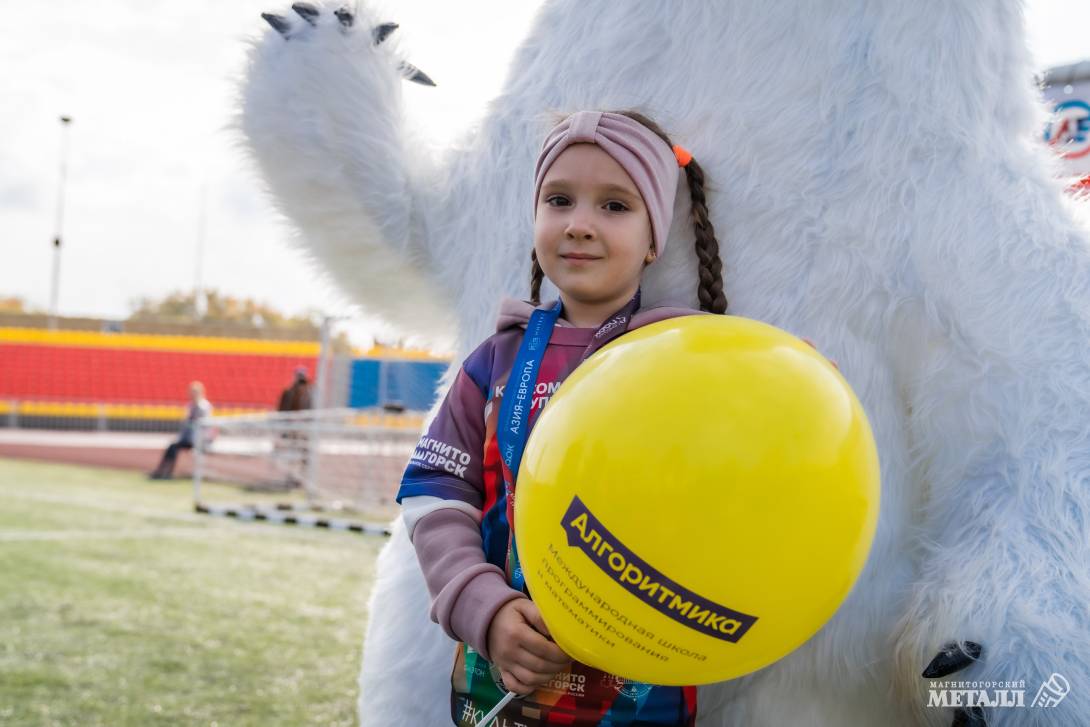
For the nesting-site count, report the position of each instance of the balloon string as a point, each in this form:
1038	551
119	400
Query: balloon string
494	714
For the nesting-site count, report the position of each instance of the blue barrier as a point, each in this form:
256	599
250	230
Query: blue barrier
377	382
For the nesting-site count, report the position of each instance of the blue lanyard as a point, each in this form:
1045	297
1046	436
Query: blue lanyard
518	395
519	391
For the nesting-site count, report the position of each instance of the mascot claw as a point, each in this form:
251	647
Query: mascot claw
345	16
379	32
310	14
953	657
307	12
972	717
414	74
279	23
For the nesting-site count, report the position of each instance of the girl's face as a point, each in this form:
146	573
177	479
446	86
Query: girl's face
592	233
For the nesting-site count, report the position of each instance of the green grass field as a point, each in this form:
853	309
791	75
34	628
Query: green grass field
120	606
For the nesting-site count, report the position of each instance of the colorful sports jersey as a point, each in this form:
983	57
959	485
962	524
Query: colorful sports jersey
458	459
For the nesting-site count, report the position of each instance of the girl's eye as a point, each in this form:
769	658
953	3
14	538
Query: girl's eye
616	207
556	200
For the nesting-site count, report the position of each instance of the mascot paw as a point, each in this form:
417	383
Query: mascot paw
311	17
954	657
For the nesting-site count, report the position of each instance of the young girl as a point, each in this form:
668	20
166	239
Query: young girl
604	196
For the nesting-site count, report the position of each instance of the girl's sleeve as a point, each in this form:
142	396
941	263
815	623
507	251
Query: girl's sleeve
447	465
466	590
447	461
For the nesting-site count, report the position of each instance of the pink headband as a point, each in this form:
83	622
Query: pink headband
651	164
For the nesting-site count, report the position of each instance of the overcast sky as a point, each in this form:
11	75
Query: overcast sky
149	84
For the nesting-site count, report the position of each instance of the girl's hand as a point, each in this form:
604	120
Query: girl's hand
519	645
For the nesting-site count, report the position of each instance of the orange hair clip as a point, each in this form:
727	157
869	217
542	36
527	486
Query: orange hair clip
683	155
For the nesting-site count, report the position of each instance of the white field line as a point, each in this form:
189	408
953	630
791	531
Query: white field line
271	528
16	536
225	526
105	505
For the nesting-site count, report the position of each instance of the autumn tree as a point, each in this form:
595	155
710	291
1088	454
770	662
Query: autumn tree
14	304
220	308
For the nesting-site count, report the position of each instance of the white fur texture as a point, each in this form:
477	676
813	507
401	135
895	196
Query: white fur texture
322	114
875	184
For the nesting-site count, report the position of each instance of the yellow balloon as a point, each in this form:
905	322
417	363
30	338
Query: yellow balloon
696	501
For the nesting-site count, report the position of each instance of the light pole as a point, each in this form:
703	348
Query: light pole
321	386
55	289
199	303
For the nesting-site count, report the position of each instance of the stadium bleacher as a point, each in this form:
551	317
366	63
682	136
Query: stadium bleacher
77	379
93	380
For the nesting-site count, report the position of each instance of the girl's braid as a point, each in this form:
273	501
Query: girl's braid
710	272
536	276
710	289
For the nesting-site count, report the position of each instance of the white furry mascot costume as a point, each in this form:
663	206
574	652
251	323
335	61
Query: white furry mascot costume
876	185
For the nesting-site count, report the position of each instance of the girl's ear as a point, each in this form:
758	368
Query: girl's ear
650	257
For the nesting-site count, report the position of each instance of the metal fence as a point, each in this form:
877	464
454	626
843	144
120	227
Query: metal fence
344	460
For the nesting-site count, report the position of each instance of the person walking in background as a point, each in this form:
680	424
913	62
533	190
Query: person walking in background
199	408
297	396
292	449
